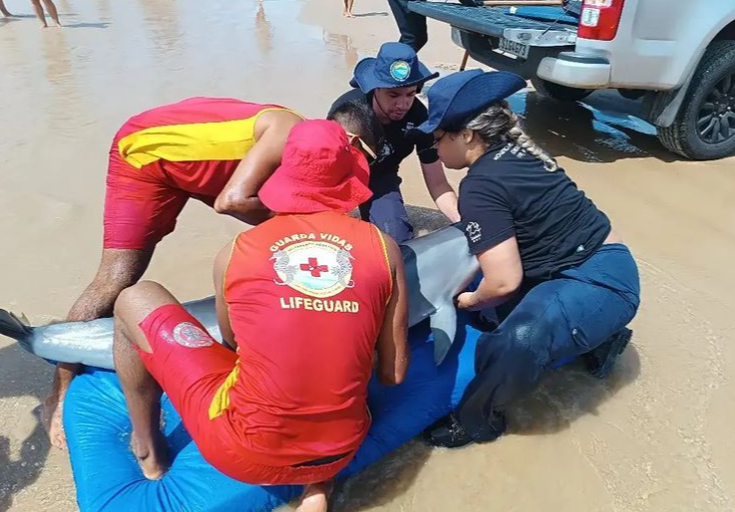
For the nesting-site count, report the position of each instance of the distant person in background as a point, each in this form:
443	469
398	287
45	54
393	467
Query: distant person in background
411	25
347	13
50	7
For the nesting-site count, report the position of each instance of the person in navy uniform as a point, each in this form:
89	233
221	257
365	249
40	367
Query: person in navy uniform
388	85
561	280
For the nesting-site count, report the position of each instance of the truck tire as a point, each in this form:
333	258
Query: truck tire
632	94
704	128
558	92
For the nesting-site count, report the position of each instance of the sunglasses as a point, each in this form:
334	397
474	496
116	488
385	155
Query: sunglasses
438	139
363	145
434	144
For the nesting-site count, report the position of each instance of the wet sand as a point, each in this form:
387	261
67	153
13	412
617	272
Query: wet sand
651	438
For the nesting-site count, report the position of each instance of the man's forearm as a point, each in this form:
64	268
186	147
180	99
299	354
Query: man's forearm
252	218
248	210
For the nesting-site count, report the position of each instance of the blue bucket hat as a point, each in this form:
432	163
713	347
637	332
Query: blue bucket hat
396	65
457	98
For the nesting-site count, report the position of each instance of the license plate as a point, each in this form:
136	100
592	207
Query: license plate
518	49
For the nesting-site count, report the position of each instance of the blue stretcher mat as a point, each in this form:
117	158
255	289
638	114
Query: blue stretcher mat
108	477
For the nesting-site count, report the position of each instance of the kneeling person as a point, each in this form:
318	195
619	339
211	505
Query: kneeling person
563	282
306	297
217	150
387	85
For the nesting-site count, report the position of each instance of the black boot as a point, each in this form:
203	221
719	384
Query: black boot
601	360
449	433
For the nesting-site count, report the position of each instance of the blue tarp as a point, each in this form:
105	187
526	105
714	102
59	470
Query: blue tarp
108	478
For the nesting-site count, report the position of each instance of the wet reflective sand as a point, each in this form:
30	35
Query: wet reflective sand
654	437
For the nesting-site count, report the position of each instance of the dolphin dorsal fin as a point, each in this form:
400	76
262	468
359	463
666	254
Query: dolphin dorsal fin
443	328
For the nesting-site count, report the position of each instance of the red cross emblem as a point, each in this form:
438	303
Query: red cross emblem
314	267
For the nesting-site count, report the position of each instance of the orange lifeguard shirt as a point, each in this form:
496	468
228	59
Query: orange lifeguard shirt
306	297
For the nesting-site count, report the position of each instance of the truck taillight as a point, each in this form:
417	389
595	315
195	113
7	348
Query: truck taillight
600	19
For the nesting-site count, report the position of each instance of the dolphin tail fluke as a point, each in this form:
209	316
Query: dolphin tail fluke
443	328
12	327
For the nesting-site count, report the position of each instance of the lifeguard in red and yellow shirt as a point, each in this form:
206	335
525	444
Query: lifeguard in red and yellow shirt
306	298
217	150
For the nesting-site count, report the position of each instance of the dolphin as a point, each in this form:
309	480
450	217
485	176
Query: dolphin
88	343
438	267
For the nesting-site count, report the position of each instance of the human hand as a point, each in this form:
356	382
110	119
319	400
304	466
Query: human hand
466	301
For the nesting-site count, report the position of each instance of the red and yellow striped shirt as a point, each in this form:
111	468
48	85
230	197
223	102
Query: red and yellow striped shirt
195	144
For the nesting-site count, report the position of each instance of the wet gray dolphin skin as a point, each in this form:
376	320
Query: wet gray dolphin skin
438	267
88	343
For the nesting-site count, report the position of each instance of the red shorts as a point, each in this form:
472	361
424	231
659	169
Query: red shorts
191	367
140	207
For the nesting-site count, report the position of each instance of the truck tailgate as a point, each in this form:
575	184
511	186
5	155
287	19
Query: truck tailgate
490	21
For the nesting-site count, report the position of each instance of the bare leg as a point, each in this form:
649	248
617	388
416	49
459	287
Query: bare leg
316	497
39	12
344	11
4	10
118	269
350	4
142	392
143	395
51	9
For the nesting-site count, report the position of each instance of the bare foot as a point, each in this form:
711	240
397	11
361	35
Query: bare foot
315	498
52	419
153	460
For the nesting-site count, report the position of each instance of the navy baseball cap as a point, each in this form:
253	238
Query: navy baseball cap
457	98
396	65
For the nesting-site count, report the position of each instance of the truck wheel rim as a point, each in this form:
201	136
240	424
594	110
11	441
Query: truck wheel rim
716	120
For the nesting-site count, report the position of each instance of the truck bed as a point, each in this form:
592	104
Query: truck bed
490	21
511	39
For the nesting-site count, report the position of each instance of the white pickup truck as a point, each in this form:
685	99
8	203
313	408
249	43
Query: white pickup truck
678	55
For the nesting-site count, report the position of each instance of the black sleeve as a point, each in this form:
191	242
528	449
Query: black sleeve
424	141
487	219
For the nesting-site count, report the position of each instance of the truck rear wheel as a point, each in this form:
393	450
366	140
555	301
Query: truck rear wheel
558	92
704	128
631	94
